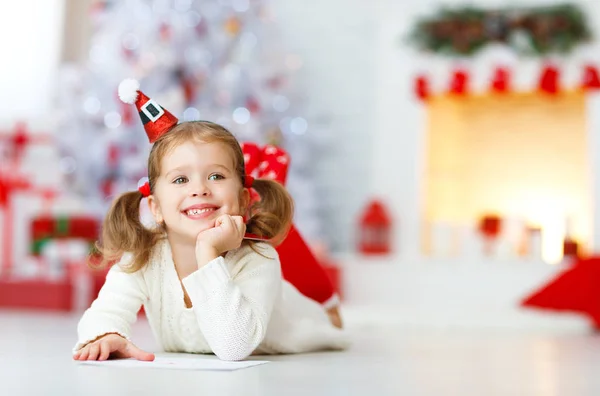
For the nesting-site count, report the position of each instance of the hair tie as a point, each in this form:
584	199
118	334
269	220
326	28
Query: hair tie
248	181
144	187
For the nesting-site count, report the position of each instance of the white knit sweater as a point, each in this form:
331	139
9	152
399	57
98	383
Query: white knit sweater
241	305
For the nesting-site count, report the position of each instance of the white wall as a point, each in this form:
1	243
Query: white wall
336	40
32	35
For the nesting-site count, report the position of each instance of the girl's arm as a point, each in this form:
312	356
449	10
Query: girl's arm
116	307
233	311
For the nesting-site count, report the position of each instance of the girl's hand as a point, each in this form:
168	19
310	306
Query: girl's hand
112	346
227	234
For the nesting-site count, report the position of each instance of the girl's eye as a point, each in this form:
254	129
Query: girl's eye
216	176
180	180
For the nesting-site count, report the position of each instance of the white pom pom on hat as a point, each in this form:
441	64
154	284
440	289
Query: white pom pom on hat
128	90
156	119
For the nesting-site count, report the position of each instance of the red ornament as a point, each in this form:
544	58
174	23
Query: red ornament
165	32
501	80
107	187
490	226
3	192
570	248
375	232
113	155
128	53
459	82
252	105
127	114
201	28
591	78
549	80
19	140
189	90
422	88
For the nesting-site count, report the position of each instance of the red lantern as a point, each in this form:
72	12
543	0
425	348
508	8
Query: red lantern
459	82
549	80
375	232
501	80
591	79
422	88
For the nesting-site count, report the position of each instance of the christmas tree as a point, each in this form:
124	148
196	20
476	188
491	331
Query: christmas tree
212	60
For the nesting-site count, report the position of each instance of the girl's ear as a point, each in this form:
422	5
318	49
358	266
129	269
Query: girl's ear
154	206
245	200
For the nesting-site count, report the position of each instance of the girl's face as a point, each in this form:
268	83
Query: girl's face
197	184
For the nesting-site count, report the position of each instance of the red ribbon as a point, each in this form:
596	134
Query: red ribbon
144	189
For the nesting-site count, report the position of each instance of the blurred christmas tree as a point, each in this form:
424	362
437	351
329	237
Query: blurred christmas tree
217	60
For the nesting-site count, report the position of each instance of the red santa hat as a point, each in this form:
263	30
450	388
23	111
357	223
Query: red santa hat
157	120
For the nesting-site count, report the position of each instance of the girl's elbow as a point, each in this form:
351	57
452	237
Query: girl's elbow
234	355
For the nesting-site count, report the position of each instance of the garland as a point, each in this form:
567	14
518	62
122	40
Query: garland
530	31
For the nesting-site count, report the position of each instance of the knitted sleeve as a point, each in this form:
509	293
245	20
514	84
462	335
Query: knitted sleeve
116	307
234	309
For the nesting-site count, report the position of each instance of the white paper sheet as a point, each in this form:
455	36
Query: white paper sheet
179	363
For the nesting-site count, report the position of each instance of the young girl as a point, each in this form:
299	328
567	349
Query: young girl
204	287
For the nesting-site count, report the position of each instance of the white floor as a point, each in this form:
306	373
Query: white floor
387	359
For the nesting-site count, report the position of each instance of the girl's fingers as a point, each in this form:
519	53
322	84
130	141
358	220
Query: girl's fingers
94	350
138	354
84	353
104	350
239	224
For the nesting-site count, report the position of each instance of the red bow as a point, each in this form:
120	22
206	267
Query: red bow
268	162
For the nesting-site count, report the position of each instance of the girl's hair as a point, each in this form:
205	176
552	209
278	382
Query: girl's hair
123	231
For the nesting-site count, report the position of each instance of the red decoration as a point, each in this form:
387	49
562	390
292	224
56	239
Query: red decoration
127	114
298	263
422	90
573	290
165	32
570	248
549	80
128	54
113	155
252	105
37	294
268	162
4	192
20	139
459	82
501	80
490	226
189	90
375	230
107	187
83	227
144	189
300	267
591	78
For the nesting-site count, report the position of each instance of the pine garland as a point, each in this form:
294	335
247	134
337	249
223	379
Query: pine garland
529	31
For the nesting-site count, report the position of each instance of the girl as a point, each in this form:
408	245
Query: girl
204	287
